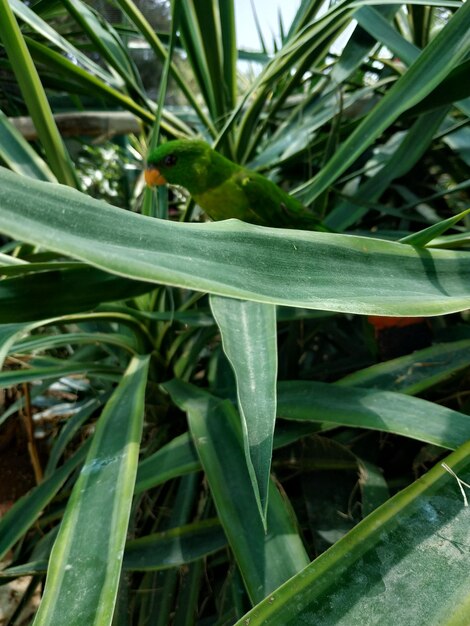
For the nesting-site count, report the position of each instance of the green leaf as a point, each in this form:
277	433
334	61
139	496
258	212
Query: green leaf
423	237
49	342
414	547
408	152
34	96
179	457
135	340
176	458
62	66
267	558
9	333
209	47
106	40
58	369
192	43
414	372
371	19
46	31
25	569
373	485
229	51
174	547
435	62
296	268
171	548
69	430
453	89
329	405
27	509
16	152
86	559
146	30
61	291
249	341
334	405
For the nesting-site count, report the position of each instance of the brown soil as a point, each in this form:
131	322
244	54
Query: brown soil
16	472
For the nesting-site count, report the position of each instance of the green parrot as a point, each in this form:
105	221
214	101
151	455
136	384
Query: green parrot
223	188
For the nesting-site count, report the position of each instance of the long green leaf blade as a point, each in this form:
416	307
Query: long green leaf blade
249	340
297	268
376	24
146	30
415	372
412	148
414	547
170	548
60	291
28	508
177	458
372	408
46	31
264	559
426	236
34	96
86	560
16	152
174	547
106	40
436	61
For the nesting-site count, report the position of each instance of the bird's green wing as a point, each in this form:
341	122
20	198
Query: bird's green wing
271	205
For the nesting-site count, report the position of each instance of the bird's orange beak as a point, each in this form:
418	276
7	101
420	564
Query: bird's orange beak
153	177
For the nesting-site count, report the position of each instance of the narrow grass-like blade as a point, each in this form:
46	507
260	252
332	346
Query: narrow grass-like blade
330	406
455	88
48	342
9	333
146	30
371	19
136	339
64	66
192	44
209	47
171	548
179	457
359	47
106	41
69	430
229	51
84	80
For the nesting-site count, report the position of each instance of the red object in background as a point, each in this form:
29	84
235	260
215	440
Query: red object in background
397	336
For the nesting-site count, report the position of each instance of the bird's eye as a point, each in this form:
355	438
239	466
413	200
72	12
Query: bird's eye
170	160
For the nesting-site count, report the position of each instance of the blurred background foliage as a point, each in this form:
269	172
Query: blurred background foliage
361	110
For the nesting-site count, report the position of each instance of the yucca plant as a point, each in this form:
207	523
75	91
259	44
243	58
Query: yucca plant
235	439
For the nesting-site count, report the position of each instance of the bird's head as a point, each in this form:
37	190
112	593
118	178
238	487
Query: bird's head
182	162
